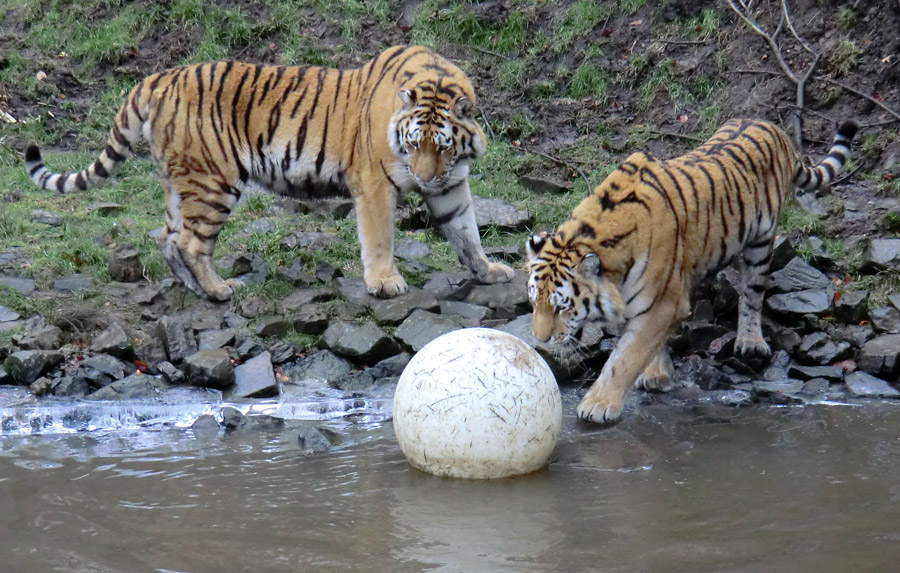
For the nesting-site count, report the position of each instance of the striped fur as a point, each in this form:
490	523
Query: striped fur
402	122
631	252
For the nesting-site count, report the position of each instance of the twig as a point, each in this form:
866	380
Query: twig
487	122
860	94
846	176
765	72
685	42
490	53
568	165
677	135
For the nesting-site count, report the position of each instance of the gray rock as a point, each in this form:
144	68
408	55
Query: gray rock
72	386
863	385
74	283
177	333
21	286
171	373
815	387
354	290
263	226
13	325
797	275
254	306
44	338
282	351
320	365
894	299
108	365
509	254
818	348
879	356
882	254
703	373
393	311
855	334
318	440
409	249
276	326
41	386
248	349
255	378
210	339
356	382
501	215
114	340
811	204
125	264
207	320
26	366
209	368
150	349
309	240
820	254
364	341
326	272
5	377
233	418
830	373
234	320
544	185
885	320
450	286
473	313
696	336
205	427
295	274
153	293
852	306
783	252
778	391
304	296
390	367
512	296
7	315
801	302
564	361
134	387
310	319
105	208
46	217
421	327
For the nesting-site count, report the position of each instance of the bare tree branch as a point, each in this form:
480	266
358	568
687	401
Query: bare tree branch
562	162
860	94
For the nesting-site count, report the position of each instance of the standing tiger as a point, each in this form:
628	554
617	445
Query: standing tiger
403	121
632	250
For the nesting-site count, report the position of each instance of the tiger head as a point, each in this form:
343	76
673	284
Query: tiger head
567	289
436	138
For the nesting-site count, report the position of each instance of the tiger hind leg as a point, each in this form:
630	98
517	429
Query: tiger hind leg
659	375
756	257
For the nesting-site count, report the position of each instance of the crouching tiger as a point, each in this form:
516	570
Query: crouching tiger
632	250
403	121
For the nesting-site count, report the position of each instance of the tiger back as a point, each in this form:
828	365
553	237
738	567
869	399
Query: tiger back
632	250
404	121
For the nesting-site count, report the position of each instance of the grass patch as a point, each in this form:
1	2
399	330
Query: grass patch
793	218
580	18
437	27
589	80
844	57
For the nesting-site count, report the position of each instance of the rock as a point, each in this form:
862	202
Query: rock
105	208
564	361
26	366
309	240
815	387
365	341
233	418
820	254
786	339
248	349
855	334
263	226
863	385
696	336
326	272
46	217
409	249
171	373
421	327
355	382
801	302
264	423
250	268
72	386
282	351
830	373
21	286
235	321
177	333
818	348
811	204
544	185
7	315
210	339
500	215
778	391
44	338
894	299
354	290
310	319
393	311
255	378
277	326
783	252
320	365
125	265
150	349
153	293
5	377
304	296
885	319
254	306
134	387
114	340
205	427
74	283
109	366
390	367
512	296
882	254
472	314
450	286
209	368
318	440
509	254
41	386
879	356
797	275
703	373
852	306
295	274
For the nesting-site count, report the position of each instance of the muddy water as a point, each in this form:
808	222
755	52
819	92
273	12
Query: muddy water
692	488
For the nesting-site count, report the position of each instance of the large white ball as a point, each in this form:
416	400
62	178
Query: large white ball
477	403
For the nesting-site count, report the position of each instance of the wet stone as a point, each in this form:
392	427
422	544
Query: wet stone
150	349
134	387
26	366
409	249
209	368
74	283
45	338
21	286
696	336
855	334
364	341
125	265
115	341
818	348
318	440
421	327
72	386
885	320
46	217
303	297
41	386
205	427
255	378
109	366
320	365
210	339
852	306
864	385
450	286
830	373
472	314
254	306
392	311
500	214
248	349
233	418
390	367
801	302
783	252
797	275
276	326
358	382
282	351
5	377
879	356
882	254
177	333
171	373
703	373
778	391
815	387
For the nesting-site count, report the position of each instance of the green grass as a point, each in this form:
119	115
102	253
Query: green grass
581	18
844	57
793	218
438	26
589	80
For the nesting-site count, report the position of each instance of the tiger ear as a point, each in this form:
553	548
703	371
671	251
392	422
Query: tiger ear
464	108
408	97
534	245
590	265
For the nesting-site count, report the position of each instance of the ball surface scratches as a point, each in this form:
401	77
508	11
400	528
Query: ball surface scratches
477	403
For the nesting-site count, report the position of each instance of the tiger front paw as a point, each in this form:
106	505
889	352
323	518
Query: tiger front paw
223	290
599	409
752	348
658	376
387	287
497	273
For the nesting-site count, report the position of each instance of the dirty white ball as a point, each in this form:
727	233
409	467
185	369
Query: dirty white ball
477	403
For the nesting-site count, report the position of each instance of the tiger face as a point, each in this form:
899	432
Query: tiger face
568	290
436	139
